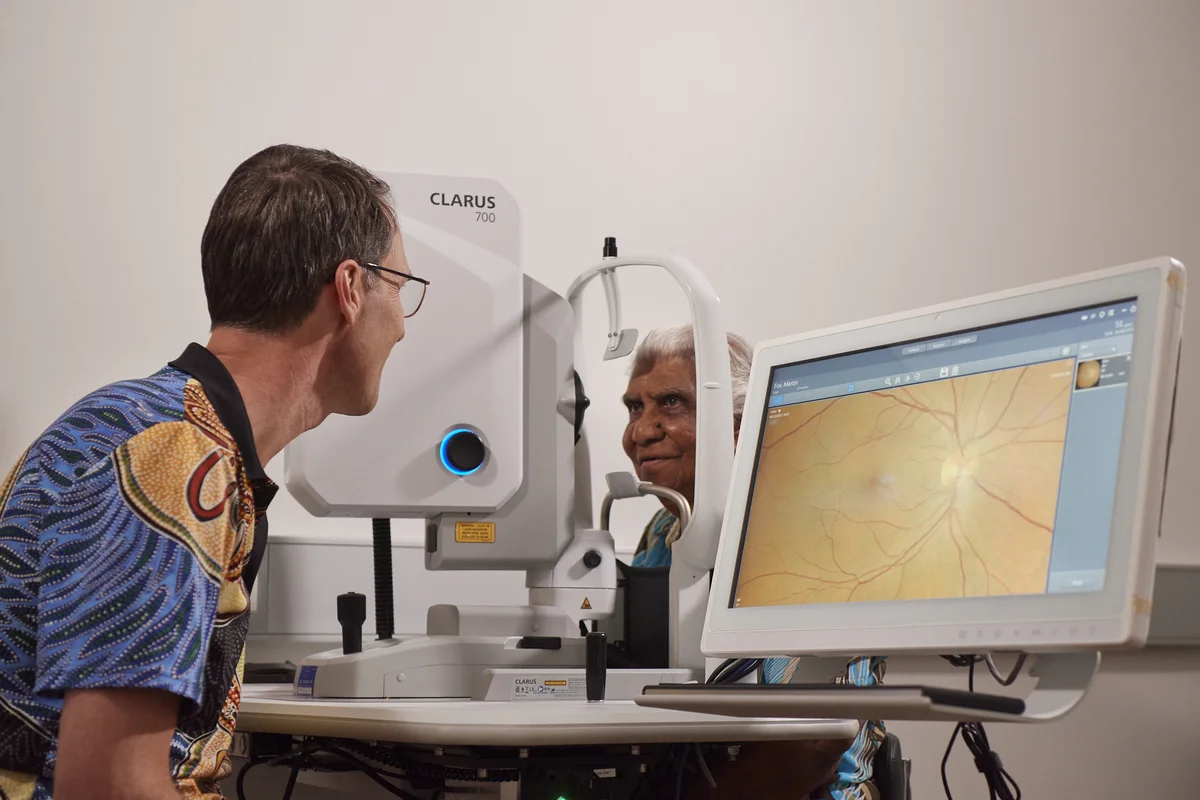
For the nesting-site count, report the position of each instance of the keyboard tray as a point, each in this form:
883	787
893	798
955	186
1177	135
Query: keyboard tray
833	701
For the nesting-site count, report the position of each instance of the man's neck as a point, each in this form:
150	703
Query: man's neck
276	376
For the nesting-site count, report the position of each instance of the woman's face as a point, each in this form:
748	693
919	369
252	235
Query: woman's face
660	437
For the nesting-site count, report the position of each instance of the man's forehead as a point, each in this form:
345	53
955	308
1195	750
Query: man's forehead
396	258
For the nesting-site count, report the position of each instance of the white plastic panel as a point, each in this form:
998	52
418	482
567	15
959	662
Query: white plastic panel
459	366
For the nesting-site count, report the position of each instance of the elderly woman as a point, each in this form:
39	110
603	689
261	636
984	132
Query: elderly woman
660	440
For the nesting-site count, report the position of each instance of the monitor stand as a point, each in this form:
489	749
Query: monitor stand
1062	680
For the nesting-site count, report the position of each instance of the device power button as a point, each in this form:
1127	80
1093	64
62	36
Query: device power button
462	451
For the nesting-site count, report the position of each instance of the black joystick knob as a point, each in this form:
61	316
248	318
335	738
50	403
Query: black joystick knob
351	613
591	559
463	452
596	666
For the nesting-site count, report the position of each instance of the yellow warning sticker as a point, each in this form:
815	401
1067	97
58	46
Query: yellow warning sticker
475	532
586	603
554	683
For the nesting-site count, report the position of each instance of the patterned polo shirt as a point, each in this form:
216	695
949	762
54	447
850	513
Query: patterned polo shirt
131	531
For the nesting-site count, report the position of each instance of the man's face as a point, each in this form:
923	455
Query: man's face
660	438
375	333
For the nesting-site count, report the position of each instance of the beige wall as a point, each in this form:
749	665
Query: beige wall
1133	735
819	161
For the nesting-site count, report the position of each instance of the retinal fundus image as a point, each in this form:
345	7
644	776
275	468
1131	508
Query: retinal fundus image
941	489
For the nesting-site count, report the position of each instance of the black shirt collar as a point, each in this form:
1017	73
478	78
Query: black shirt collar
223	393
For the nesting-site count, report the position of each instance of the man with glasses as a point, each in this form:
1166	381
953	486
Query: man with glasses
131	530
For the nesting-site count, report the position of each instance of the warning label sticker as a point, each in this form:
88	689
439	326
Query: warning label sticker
475	532
549	689
587	604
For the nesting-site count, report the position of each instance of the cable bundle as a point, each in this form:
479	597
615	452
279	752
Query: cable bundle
1000	783
306	754
733	670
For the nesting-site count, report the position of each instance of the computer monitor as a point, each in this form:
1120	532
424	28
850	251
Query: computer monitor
984	475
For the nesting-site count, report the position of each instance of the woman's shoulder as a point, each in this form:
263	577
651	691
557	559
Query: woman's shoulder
656	530
661	521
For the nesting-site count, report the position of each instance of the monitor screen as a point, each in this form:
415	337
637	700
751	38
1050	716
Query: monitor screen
979	463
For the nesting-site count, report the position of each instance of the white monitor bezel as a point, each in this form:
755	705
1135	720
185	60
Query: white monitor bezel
1117	616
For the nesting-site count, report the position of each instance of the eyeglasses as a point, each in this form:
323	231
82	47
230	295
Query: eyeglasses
412	291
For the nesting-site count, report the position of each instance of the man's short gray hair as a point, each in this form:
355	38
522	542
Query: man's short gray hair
678	342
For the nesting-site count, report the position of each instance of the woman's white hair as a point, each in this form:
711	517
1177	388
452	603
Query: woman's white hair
678	342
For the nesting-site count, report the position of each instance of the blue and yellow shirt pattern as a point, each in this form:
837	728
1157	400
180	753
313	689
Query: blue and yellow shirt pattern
127	553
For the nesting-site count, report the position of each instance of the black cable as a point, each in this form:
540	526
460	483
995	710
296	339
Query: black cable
362	766
254	762
1000	783
340	763
241	776
722	667
1012	676
303	754
946	758
962	661
733	670
292	776
742	671
386	784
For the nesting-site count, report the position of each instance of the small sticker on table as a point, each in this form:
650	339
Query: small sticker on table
475	532
549	689
305	681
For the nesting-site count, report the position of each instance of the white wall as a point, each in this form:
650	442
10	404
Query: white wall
820	162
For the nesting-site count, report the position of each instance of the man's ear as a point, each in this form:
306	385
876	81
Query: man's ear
349	289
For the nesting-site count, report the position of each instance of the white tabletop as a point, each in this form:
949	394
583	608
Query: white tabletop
537	723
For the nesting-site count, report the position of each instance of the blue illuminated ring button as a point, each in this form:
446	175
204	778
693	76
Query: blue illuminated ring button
462	452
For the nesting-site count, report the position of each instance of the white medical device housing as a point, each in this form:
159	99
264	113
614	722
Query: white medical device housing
984	475
464	348
449	439
479	432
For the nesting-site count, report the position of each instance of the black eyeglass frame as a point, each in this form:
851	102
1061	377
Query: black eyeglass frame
406	276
